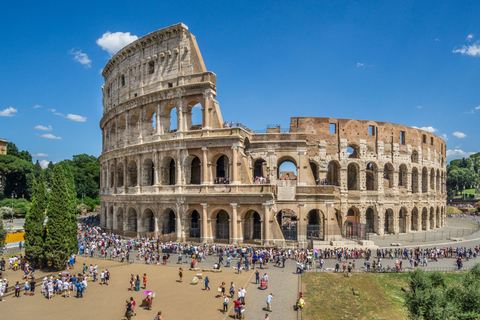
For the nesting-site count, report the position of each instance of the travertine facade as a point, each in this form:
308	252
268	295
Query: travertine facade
198	179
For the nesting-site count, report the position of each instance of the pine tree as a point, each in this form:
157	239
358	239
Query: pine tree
34	230
58	240
73	226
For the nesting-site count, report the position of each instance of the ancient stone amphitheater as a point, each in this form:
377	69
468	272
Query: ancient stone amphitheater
171	166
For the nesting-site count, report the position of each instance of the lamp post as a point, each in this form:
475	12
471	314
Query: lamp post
13	193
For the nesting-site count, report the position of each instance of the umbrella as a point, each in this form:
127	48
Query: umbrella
147	292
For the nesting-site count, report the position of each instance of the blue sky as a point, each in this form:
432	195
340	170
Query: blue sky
411	62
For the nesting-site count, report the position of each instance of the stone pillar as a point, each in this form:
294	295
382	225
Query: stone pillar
234	223
234	165
125	173
207	105
178	225
139	170
204	231
266	224
115	175
159	122
205	178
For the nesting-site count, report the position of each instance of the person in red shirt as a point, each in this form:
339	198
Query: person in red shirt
237	308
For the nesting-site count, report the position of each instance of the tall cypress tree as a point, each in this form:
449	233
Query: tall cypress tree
34	230
58	240
73	226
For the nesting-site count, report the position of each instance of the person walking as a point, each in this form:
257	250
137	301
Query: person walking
16	287
207	281
180	274
225	304
269	301
257	277
128	312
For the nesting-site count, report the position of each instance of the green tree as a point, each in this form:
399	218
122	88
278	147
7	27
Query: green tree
73	227
3	235
19	176
34	229
13	151
58	240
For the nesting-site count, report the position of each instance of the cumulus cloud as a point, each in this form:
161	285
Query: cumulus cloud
444	136
470	37
40	155
459	135
76	117
429	129
457	153
9	112
359	64
438	40
44	128
112	42
44	163
81	57
37	106
473	50
50	136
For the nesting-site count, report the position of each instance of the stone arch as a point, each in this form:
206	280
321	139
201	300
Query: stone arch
111	176
424	218
148	172
150	122
388	175
288	221
432	179
259	168
315	223
352	176
222	169
353	151
149	220
415	188
132	219
371	174
222	225
119	219
193	169
402	175
437	184
168	221
389	221
414	156
169	171
370	219
120	178
402	220
194	224
424	180
289	171
132	174
252	225
171	119
414	220
246	144
121	129
133	126
195	115
333	173
109	220
351	226
314	169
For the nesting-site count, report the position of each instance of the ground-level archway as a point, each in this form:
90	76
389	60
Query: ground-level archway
223	227
315	224
169	220
252	227
195	225
287	220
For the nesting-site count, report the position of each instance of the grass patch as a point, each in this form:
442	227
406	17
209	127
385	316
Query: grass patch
330	296
453	210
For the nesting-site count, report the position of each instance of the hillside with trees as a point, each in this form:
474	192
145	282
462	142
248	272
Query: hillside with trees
464	174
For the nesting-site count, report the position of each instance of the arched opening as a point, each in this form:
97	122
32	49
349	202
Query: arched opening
111	176
148	172
415	180
414	222
171	173
122	125
252	228
109	219
173	121
414	156
339	218
402	175
388	221
352	151
150	122
133	127
195	225
113	134
119	219
314	168
222	170
287	220
196	117
259	168
149	220
352	177
120	181
370	215
439	224
132	174
424	180
432	218
223	225
132	220
371	176
402	220
314	226
432	179
388	176
352	227
246	144
169	220
195	171
333	174
424	218
287	170
437	185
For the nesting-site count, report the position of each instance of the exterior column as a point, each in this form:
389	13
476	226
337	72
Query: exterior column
204	231
125	172
115	175
139	169
266	224
159	122
234	164
234	223
178	226
205	179
208	97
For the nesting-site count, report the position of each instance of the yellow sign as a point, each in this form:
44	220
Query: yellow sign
15	237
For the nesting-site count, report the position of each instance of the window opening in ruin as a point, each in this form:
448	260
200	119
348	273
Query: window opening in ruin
173	120
414	180
252	228
352	151
132	220
287	170
170	84
151	67
287	220
148	172
123	81
171	173
149	221
333	174
169	223
402	137
223	225
195	174
371	176
371	130
314	168
333	128
352	228
414	156
223	170
370	220
388	176
120	175
424	138
352	177
196	122
259	170
150	124
414	220
402	175
246	143
314	229
132	174
431	141
195	225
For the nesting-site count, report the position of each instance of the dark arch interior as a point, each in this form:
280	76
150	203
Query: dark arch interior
223	225
171	173
195	225
258	168
287	219
195	174
222	167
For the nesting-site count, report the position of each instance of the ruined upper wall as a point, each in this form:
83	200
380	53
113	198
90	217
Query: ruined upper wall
166	58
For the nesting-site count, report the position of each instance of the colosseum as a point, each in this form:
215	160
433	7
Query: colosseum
171	165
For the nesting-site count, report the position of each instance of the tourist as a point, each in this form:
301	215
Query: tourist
145	281
17	287
128	306
232	290
149	300
180	274
222	290
237	304
159	316
102	277
133	303
207	281
225	304
257	277
107	276
269	301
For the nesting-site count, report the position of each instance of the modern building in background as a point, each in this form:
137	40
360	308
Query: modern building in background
206	180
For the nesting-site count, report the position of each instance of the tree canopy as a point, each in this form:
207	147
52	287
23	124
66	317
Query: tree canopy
19	174
464	173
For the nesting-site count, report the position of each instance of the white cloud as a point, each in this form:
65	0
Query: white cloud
81	57
429	129
473	50
459	135
37	106
419	107
458	147
50	136
9	112
76	117
359	65
40	155
53	110
40	127
444	136
457	153
112	42
470	37
477	108
438	40
44	163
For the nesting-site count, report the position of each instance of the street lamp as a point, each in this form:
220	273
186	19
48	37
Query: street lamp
13	193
